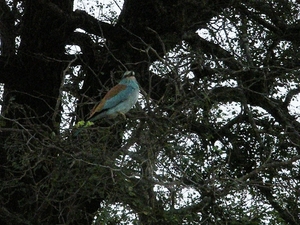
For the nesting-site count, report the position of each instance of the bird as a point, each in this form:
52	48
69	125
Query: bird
118	100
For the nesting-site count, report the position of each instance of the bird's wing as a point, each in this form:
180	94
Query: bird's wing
116	95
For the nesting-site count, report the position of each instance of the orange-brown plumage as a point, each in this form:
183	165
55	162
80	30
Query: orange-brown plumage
110	94
119	100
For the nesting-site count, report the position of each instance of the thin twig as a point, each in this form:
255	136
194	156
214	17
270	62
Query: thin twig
59	99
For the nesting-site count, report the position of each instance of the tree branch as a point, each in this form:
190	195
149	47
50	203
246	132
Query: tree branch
93	26
196	42
284	213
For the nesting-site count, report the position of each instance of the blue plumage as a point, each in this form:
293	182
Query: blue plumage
119	100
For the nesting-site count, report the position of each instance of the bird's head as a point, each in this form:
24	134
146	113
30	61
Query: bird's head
128	74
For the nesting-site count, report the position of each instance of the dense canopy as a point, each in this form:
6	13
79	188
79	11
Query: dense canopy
213	139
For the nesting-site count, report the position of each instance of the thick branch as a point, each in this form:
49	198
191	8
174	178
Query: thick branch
85	43
197	43
91	25
284	213
257	18
290	96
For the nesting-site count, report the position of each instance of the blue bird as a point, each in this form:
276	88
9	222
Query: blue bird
118	100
